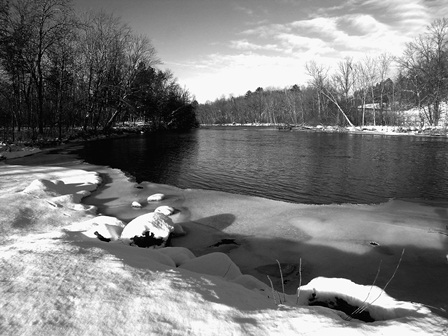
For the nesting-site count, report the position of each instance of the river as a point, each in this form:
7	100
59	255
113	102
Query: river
298	167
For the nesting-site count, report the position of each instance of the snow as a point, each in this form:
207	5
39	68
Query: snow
165	209
58	278
136	204
156	197
156	223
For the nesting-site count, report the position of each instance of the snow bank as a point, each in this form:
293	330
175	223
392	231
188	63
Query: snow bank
367	303
64	280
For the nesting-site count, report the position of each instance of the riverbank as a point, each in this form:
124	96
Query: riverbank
112	289
435	131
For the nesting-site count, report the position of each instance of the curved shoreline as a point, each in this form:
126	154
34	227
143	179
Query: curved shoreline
332	240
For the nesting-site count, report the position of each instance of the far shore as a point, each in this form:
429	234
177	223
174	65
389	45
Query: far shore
22	148
428	131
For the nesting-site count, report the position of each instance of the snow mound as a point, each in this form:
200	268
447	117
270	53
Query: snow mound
180	255
367	303
252	283
155	225
161	258
216	263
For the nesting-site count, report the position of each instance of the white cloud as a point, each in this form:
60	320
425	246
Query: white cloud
246	45
319	25
298	44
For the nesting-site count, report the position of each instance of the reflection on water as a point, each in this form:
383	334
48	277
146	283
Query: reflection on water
297	167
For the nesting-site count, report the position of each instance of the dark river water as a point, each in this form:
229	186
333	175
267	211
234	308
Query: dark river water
299	167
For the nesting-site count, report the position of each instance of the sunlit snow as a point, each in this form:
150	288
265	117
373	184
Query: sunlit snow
59	278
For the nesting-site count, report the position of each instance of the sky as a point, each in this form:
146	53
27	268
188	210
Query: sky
227	47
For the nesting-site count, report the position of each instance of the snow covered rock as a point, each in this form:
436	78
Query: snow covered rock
155	198
179	254
216	263
165	209
151	229
366	303
105	228
136	204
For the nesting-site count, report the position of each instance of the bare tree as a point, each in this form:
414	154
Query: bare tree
320	81
344	81
362	83
384	63
31	28
425	62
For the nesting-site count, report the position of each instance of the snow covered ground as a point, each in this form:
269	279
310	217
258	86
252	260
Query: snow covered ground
58	279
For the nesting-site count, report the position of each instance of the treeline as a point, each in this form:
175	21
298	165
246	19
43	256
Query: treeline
354	93
62	71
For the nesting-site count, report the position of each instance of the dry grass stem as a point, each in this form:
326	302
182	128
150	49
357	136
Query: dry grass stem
364	307
273	291
283	283
300	280
359	309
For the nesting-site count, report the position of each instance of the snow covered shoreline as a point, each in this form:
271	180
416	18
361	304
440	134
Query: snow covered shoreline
62	282
429	131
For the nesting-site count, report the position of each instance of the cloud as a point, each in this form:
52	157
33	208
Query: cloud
246	45
362	24
243	9
407	17
235	74
275	54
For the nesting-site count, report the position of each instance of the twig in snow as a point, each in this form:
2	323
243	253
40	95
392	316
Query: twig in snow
228	269
361	308
385	286
300	280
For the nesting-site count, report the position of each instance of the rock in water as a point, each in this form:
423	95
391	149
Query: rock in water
155	198
152	228
165	209
136	204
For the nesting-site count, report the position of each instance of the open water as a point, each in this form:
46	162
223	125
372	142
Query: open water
299	167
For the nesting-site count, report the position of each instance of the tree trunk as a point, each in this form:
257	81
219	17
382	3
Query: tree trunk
334	101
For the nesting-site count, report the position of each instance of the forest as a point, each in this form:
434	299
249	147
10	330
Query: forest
64	73
370	91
